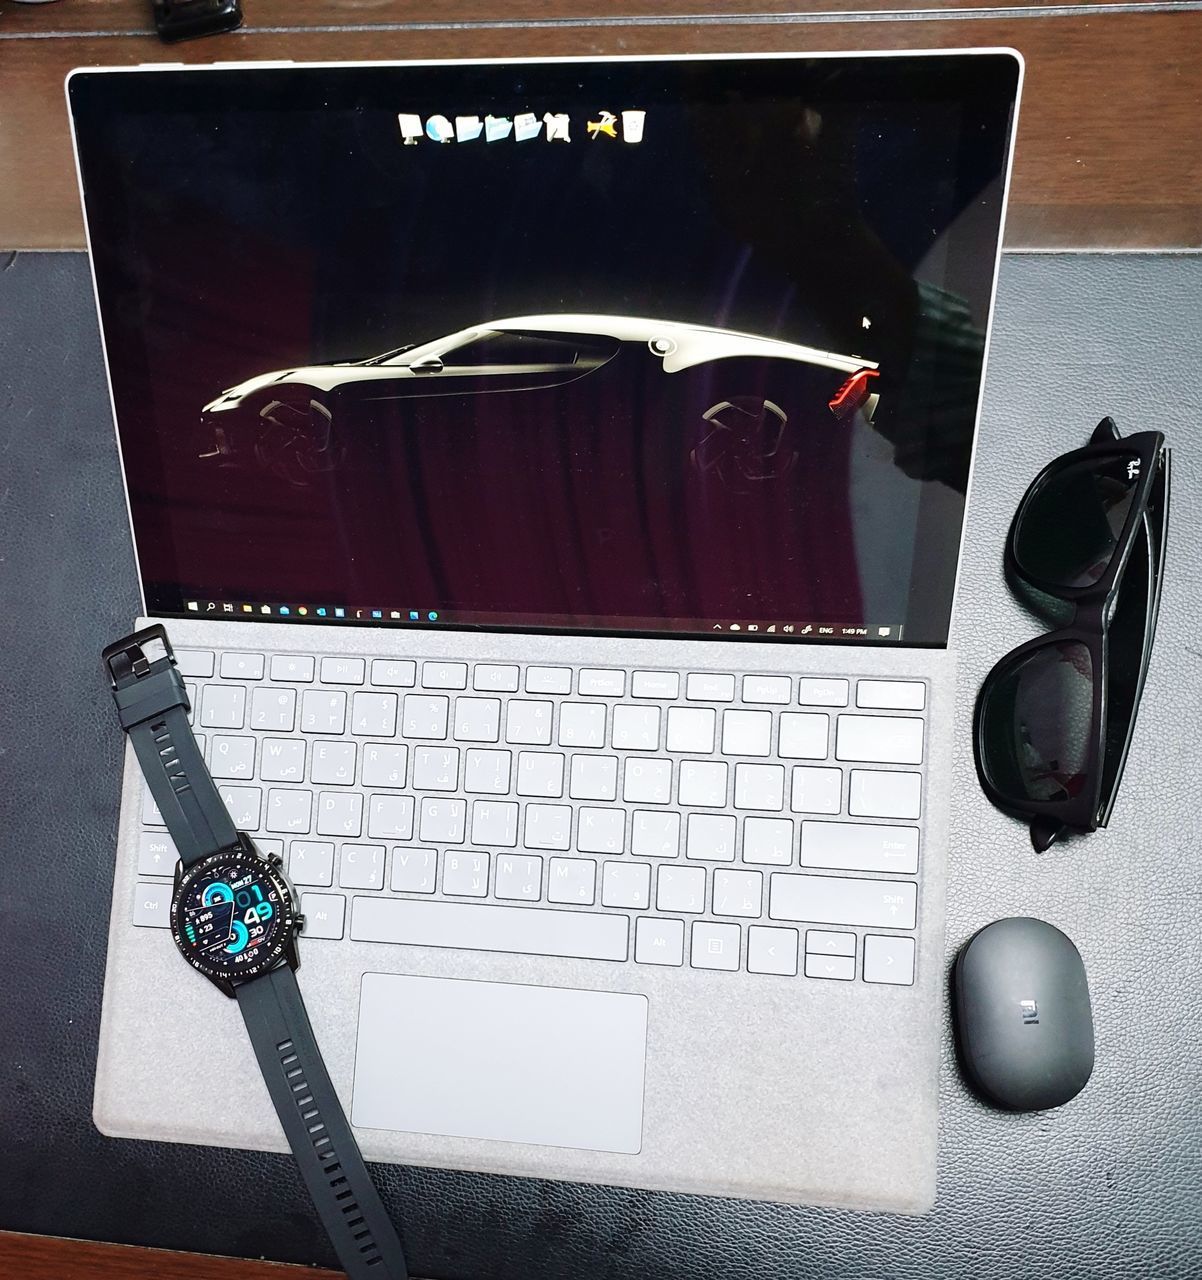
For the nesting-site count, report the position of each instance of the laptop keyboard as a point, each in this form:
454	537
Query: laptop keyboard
762	824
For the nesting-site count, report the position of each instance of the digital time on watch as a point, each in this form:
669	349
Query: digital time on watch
235	919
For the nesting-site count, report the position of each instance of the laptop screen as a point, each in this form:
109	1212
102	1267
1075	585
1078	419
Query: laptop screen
633	346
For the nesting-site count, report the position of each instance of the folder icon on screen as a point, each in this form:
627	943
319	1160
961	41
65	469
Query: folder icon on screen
497	127
526	126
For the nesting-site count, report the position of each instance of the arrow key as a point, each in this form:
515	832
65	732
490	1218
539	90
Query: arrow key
772	950
842	968
889	959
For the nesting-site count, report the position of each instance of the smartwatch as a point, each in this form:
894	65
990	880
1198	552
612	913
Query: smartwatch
235	919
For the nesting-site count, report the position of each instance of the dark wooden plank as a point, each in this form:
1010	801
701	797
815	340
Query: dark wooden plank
52	1258
1107	156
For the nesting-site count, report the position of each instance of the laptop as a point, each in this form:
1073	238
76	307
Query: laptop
551	475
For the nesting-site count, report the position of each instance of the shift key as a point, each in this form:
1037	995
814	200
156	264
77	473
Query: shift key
887	904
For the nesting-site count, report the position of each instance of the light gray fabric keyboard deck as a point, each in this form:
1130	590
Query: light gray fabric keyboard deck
768	824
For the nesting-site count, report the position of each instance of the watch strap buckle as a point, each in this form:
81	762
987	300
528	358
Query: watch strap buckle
145	684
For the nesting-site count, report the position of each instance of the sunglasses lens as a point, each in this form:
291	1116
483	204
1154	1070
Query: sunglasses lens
1036	724
1071	525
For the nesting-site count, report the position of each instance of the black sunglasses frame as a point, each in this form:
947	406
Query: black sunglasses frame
1092	608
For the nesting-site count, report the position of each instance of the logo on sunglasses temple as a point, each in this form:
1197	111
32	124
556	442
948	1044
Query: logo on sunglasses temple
1133	469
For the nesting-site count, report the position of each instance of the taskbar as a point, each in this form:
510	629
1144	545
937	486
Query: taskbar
371	615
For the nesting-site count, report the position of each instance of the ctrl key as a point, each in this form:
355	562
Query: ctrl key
323	914
152	905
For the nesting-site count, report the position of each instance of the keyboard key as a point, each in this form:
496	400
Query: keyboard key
311	862
477	719
528	723
394	673
691	729
480	927
289	811
737	893
322	711
572	880
839	968
816	790
519	877
877	794
157	854
223	706
822	693
703	783
151	817
659	941
196	664
879	739
333	763
594	778
243	804
892	695
436	768
889	960
495	823
626	884
635	728
548	826
647	781
759	786
680	889
746	733
593	683
664	685
374	714
390	817
768	689
294	668
581	724
233	757
152	905
822	943
362	866
343	670
855	846
487	772
273	709
413	870
283	760
339	813
465	875
240	666
886	904
267	847
384	764
601	831
715	946
444	675
548	679
489	678
710	837
540	773
655	835
704	687
425	717
768	841
442	821
324	914
803	735
771	950
192	692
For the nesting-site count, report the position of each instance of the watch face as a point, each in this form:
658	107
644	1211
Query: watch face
232	915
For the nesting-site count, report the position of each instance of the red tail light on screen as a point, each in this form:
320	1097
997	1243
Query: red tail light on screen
853	394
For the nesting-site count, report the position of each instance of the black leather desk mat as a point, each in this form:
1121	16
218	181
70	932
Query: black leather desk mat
1107	1186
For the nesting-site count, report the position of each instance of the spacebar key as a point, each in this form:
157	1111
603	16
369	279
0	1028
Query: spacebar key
470	926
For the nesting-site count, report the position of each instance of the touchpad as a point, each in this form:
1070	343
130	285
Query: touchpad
468	1059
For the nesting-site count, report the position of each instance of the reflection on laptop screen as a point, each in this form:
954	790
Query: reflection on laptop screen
684	345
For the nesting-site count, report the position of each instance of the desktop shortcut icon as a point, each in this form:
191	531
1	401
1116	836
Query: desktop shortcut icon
303	611
497	127
603	126
632	125
526	125
284	610
440	129
411	128
321	612
558	126
414	616
468	128
248	608
394	613
340	613
377	613
265	608
432	615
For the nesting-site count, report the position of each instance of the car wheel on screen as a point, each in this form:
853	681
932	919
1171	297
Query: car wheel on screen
296	441
745	442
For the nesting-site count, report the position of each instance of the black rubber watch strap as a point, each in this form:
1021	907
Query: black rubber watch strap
316	1128
153	706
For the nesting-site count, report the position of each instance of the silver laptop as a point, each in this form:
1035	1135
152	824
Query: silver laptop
552	475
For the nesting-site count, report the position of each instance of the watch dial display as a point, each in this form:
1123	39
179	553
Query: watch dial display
232	916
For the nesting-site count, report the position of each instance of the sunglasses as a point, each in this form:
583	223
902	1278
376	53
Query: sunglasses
1054	717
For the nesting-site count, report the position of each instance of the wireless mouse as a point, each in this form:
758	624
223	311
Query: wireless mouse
1023	1017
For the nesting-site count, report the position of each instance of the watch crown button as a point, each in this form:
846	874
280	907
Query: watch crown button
300	923
275	859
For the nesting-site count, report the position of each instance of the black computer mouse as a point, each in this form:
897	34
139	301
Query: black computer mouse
1023	1017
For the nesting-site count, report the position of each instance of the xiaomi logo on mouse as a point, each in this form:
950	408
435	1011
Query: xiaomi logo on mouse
1030	1012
